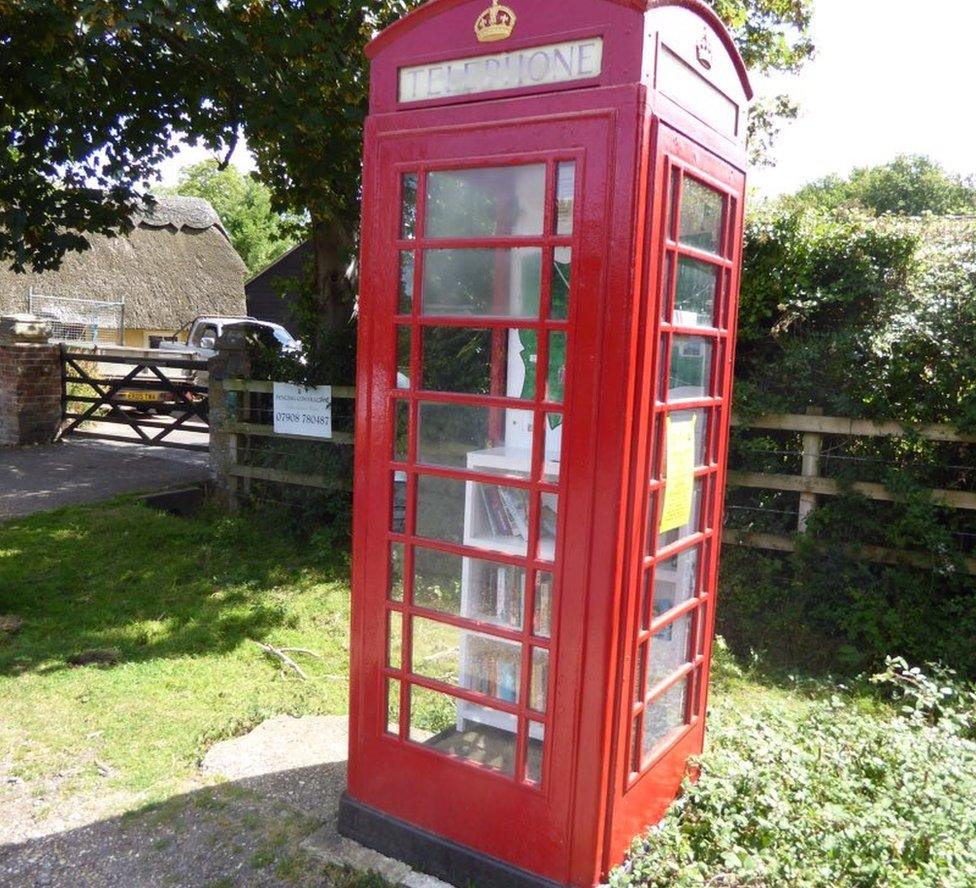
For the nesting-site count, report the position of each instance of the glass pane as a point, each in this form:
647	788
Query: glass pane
666	288
562	270
480	362
565	197
645	603
675	580
470	436
459	359
657	434
392	706
469	587
700	417
548	518
467	659
539	679
662	380
691	368
488	516
431	712
652	524
396	571
701	216
403	358
665	715
542	621
408	212
405	302
670	650
557	368
553	447
401	419
395	640
672	201
484	282
492	201
701	630
463	730
694	522
694	300
639	665
498	518
440	508
533	760
398	521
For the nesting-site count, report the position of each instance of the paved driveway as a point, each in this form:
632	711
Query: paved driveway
35	479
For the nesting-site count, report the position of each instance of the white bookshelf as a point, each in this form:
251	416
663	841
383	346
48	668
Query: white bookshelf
504	606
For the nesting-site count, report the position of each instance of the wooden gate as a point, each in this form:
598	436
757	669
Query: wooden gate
158	401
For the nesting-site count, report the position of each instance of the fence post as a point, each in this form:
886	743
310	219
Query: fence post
809	468
230	362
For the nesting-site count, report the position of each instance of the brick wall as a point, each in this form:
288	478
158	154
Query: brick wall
30	393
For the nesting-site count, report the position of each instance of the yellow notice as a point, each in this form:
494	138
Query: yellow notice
679	481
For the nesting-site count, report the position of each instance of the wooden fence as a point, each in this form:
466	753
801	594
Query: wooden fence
811	485
243	424
241	414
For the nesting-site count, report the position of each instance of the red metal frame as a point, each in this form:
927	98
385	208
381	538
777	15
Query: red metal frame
625	140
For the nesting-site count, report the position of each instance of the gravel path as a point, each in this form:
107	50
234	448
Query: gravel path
282	783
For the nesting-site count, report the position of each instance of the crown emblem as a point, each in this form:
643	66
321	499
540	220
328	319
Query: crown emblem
704	51
496	23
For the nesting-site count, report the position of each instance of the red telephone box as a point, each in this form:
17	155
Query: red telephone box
552	227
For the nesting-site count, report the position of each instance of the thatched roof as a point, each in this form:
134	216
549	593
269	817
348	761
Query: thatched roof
175	264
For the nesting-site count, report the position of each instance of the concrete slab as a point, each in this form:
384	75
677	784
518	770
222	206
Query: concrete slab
309	754
49	476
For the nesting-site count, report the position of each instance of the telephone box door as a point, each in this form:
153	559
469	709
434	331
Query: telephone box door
691	300
486	255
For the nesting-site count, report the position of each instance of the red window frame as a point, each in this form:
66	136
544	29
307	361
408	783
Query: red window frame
543	326
640	793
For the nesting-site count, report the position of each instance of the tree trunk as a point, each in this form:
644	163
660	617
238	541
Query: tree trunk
334	294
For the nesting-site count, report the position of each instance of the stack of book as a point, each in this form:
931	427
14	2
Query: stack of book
497	675
540	684
506	511
499	595
543	606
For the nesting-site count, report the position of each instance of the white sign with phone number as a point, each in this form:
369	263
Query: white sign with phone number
303	411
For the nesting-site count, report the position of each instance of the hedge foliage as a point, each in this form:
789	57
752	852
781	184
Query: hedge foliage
827	791
864	317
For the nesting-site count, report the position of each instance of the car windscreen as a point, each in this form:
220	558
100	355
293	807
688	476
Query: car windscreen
283	336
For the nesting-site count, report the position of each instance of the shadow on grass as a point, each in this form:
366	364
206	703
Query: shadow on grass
247	832
136	584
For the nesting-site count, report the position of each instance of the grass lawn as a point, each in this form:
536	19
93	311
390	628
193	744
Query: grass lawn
175	604
804	782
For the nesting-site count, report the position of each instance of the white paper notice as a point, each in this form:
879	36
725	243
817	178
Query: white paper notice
303	411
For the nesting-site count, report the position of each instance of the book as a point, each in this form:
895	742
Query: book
543	607
540	685
498	518
489	511
515	511
507	681
488	591
548	520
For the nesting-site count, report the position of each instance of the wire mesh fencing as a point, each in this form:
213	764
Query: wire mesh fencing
80	320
